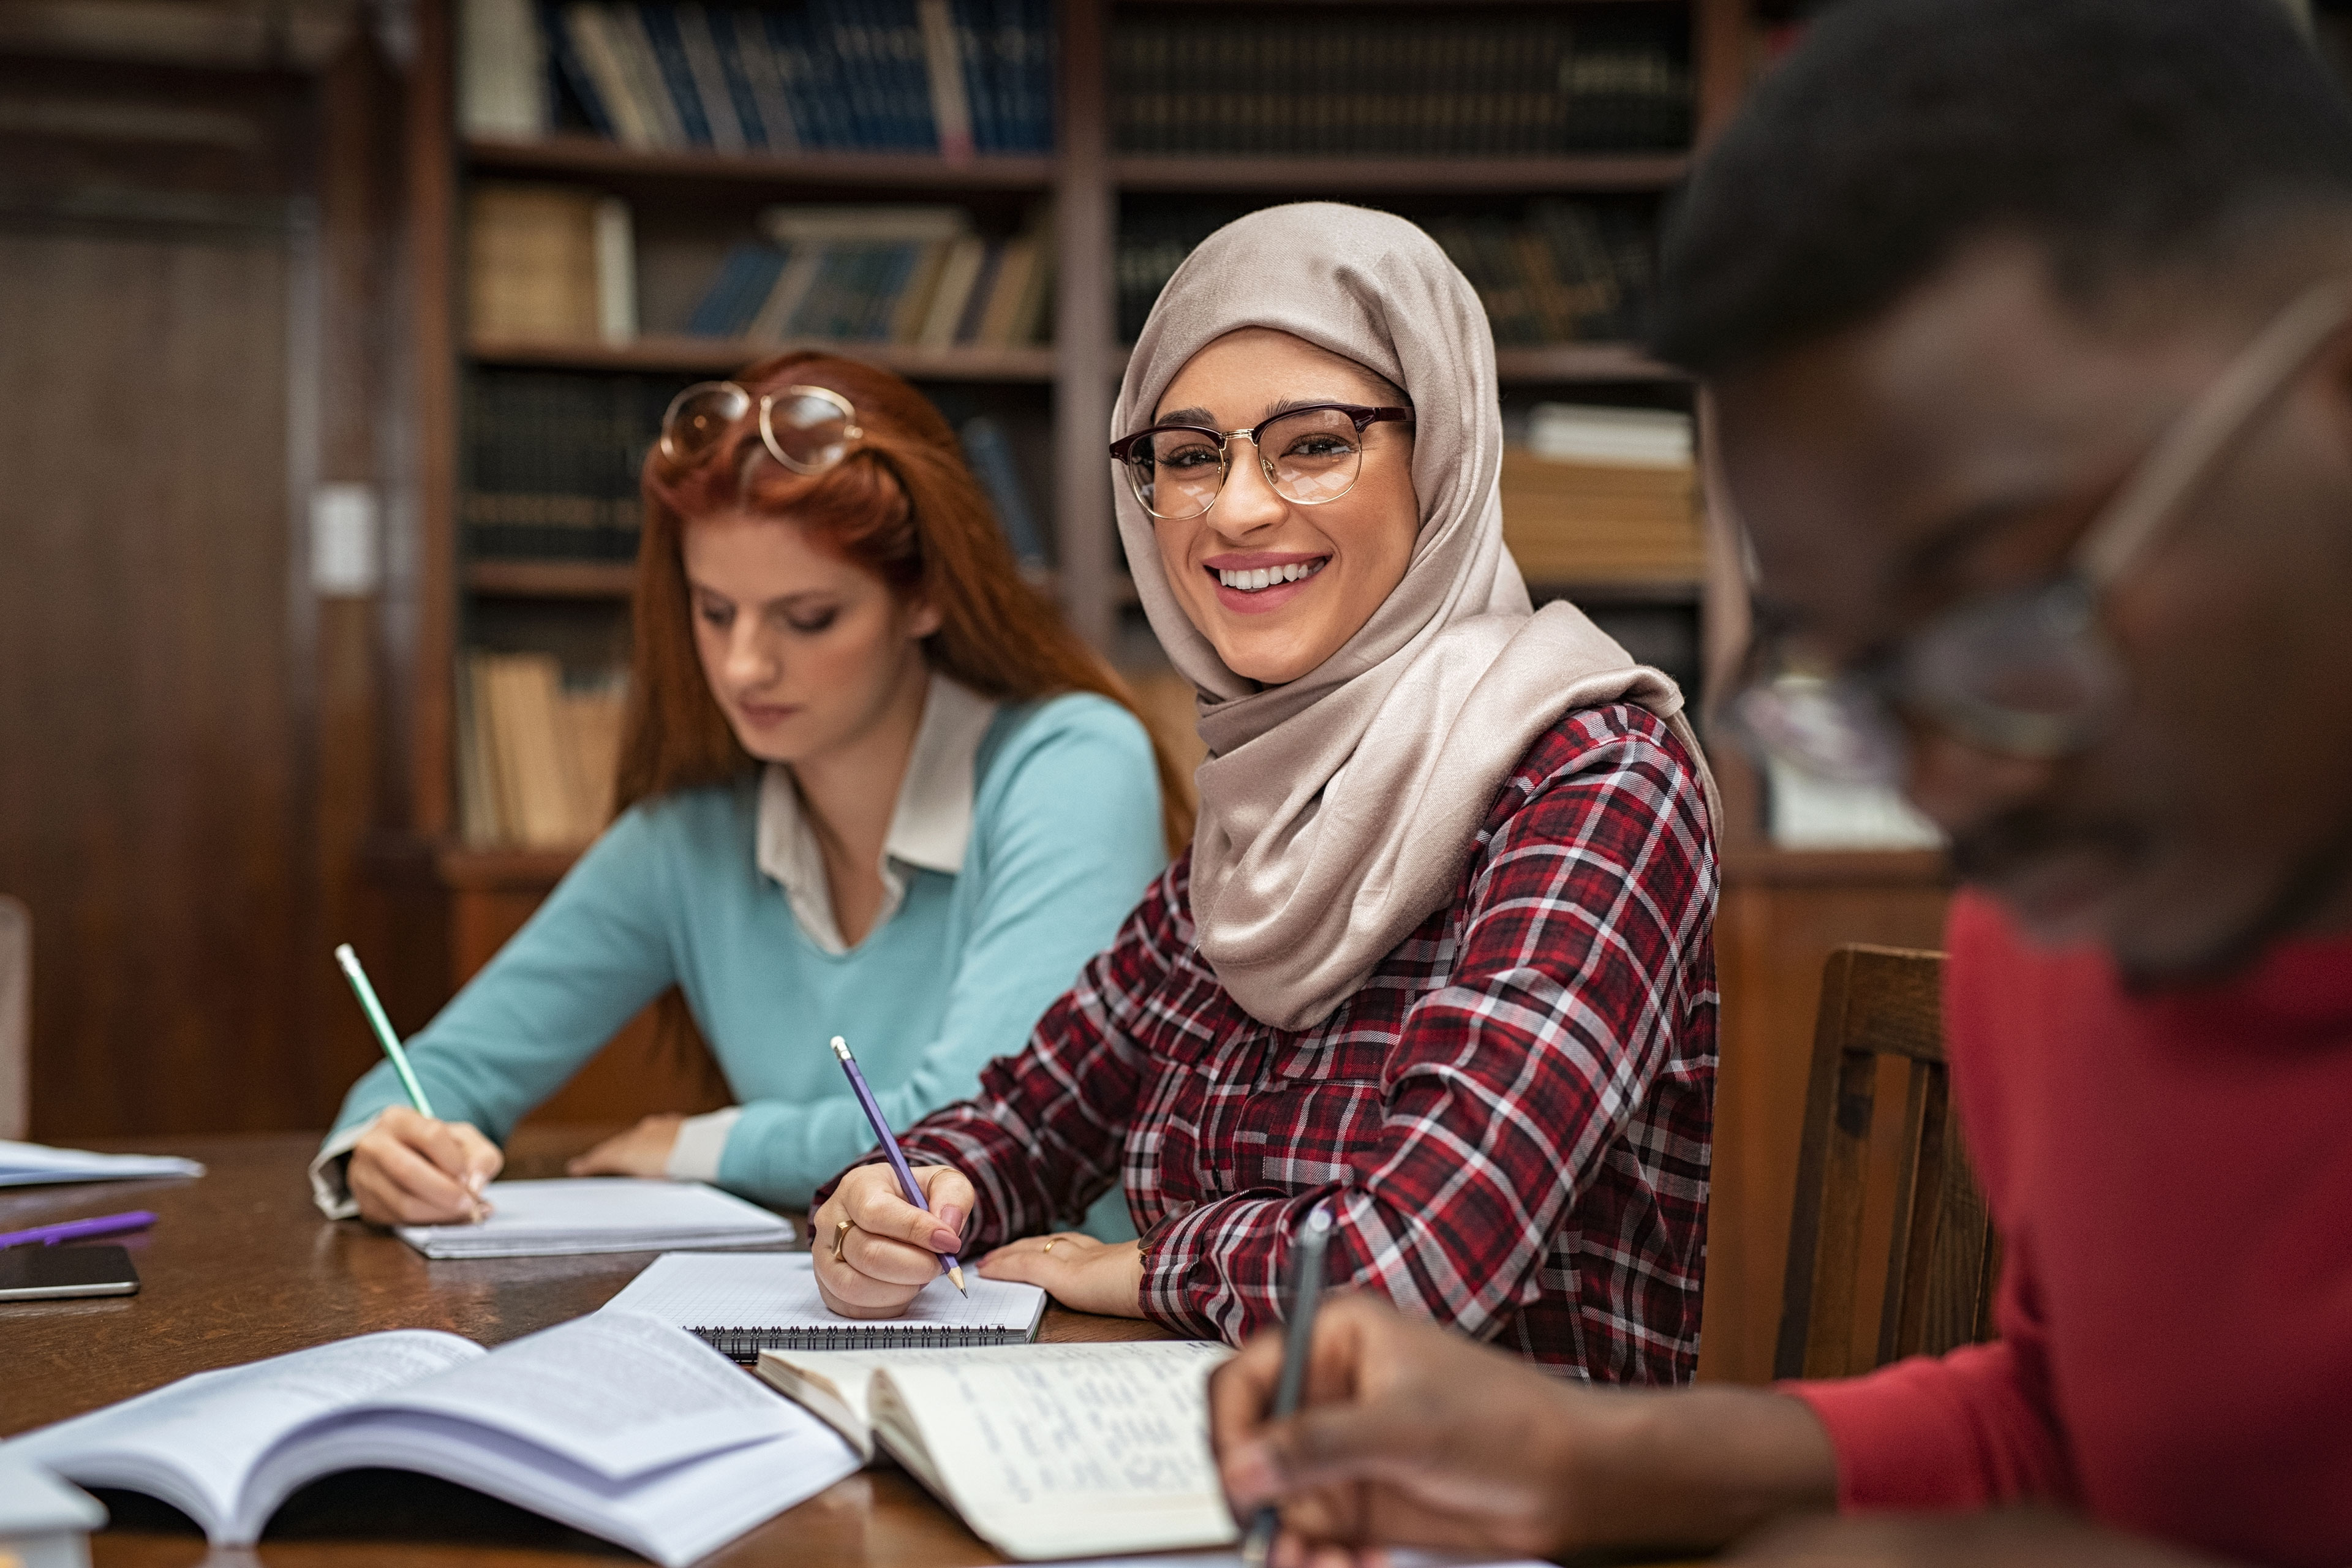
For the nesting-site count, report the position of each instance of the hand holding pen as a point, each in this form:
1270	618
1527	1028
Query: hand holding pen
888	1230
412	1168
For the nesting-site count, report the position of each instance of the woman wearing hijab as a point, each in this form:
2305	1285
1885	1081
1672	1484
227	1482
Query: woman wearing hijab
1440	957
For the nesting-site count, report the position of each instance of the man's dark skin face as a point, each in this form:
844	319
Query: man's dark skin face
1957	446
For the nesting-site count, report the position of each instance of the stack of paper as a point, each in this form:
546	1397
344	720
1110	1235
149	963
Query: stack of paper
545	1219
29	1165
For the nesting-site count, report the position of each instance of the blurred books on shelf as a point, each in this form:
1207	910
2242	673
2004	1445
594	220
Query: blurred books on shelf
1558	271
554	263
949	77
989	456
536	759
1429	82
551	462
910	275
1603	495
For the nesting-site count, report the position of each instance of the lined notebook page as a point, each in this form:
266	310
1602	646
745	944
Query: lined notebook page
777	1290
1058	1457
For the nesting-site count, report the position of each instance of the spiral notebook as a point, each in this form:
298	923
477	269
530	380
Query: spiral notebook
744	1303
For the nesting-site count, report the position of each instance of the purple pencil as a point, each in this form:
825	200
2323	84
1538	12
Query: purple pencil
78	1229
948	1265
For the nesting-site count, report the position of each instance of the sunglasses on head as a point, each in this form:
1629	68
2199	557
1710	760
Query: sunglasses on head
808	429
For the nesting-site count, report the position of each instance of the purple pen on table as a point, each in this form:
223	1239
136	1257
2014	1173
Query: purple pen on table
949	1263
78	1229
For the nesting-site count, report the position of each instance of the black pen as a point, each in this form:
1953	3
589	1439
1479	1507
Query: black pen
1297	1342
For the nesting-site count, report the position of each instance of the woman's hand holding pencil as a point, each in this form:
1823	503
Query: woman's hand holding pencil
891	1248
410	1169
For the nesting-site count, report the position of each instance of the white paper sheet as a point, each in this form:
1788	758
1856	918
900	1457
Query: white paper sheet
778	1290
600	1213
32	1164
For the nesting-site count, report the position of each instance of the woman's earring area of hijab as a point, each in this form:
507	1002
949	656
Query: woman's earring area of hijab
1277	585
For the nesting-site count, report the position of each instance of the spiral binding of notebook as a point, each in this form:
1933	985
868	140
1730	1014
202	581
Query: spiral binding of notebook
745	1344
745	1302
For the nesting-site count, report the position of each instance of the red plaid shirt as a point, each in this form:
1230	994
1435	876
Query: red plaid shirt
1510	1119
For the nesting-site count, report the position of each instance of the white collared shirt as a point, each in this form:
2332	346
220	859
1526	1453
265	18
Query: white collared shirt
930	827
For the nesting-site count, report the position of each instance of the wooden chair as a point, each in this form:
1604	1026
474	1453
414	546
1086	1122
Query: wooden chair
1944	1257
15	1017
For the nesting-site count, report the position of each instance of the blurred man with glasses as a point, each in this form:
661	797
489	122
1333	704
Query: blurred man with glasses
2028	325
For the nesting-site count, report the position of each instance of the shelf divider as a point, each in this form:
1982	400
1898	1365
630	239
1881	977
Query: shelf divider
576	155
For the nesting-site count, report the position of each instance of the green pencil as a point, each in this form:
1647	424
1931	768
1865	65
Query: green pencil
384	1035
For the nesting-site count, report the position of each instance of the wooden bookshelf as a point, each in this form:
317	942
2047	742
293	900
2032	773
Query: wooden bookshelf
1568	363
592	157
717	356
551	579
1401	176
1076	376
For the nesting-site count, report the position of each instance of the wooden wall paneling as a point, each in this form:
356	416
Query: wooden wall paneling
153	807
359	234
1781	915
1083	310
426	641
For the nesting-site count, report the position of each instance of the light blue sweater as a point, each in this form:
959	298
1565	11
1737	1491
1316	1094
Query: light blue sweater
1065	838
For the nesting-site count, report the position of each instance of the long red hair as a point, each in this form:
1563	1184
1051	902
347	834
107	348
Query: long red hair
901	505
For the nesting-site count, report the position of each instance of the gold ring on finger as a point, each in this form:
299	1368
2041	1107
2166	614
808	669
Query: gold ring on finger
840	1234
1049	1242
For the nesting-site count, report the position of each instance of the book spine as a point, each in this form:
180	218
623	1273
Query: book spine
659	25
943	66
755	56
750	118
990	457
646	89
563	51
616	272
699	43
501	70
597	40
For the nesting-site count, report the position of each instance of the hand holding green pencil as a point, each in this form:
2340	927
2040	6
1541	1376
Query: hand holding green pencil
412	1168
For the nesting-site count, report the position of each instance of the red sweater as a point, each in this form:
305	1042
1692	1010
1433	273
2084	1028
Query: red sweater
2172	1177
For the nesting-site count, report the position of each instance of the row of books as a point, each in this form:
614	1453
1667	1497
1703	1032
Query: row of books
1562	271
553	263
553	461
947	77
536	757
1425	82
1603	495
915	274
1565	271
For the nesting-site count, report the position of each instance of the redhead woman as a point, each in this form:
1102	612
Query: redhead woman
1440	958
873	786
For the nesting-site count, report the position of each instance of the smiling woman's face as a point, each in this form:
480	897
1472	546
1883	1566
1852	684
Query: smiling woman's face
1276	586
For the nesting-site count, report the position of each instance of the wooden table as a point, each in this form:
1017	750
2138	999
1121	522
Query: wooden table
240	1266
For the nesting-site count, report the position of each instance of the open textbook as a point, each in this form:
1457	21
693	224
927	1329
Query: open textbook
600	1213
1045	1450
748	1302
618	1425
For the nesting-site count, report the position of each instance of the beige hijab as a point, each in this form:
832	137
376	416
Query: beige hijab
1338	810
